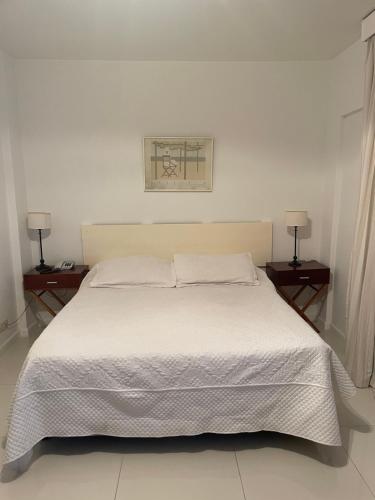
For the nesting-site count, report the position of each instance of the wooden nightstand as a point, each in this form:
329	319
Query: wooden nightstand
310	274
38	284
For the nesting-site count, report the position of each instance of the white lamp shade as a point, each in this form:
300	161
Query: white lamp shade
296	217
39	220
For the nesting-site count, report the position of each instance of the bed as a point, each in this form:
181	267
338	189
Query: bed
153	362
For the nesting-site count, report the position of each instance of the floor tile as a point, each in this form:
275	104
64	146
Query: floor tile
361	449
359	410
70	469
6	393
283	467
11	360
181	469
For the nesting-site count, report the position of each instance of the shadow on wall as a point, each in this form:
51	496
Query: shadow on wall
304	233
33	234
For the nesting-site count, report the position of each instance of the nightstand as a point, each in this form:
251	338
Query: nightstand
310	274
38	284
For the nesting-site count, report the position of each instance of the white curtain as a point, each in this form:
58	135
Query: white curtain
361	291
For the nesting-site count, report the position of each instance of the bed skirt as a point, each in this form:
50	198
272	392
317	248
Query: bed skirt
307	411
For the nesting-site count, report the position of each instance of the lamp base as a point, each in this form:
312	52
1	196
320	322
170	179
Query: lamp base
295	263
43	268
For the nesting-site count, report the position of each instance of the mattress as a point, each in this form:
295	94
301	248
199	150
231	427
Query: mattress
152	362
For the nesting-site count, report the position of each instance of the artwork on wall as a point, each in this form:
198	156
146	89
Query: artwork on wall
178	163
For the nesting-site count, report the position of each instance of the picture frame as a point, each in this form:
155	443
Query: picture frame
178	163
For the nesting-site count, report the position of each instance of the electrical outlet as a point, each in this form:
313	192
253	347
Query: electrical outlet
4	326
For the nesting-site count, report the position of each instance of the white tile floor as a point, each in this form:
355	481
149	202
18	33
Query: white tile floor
260	466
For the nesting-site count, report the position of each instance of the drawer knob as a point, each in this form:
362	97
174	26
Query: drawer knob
51	282
304	277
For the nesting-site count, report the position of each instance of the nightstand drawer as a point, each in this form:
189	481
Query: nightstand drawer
56	280
299	276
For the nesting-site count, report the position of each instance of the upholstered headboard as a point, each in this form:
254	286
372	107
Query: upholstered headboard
106	241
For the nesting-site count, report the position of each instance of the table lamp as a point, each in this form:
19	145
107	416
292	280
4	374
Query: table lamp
40	221
296	219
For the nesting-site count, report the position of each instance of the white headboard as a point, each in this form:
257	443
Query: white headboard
106	241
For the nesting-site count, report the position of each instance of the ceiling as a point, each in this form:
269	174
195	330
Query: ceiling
189	30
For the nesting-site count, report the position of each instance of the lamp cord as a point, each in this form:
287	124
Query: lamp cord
20	316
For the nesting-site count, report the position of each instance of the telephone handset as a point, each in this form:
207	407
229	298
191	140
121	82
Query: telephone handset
64	265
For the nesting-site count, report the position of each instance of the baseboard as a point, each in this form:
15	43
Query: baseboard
7	336
324	321
320	324
338	330
33	329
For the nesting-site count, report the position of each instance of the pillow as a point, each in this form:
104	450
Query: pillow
134	271
224	269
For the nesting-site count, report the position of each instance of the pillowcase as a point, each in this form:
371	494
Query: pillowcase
219	269
134	271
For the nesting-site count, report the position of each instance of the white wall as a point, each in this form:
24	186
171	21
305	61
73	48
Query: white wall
82	124
286	136
342	180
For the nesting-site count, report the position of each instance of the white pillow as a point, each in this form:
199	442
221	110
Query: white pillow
224	269
134	271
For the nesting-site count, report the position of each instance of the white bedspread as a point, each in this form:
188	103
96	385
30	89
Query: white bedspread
163	362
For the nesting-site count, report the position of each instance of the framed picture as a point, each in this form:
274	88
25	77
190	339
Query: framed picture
178	163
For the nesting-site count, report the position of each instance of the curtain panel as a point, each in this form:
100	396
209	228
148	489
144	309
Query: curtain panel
361	288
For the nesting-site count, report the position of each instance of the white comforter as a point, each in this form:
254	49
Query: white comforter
162	362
